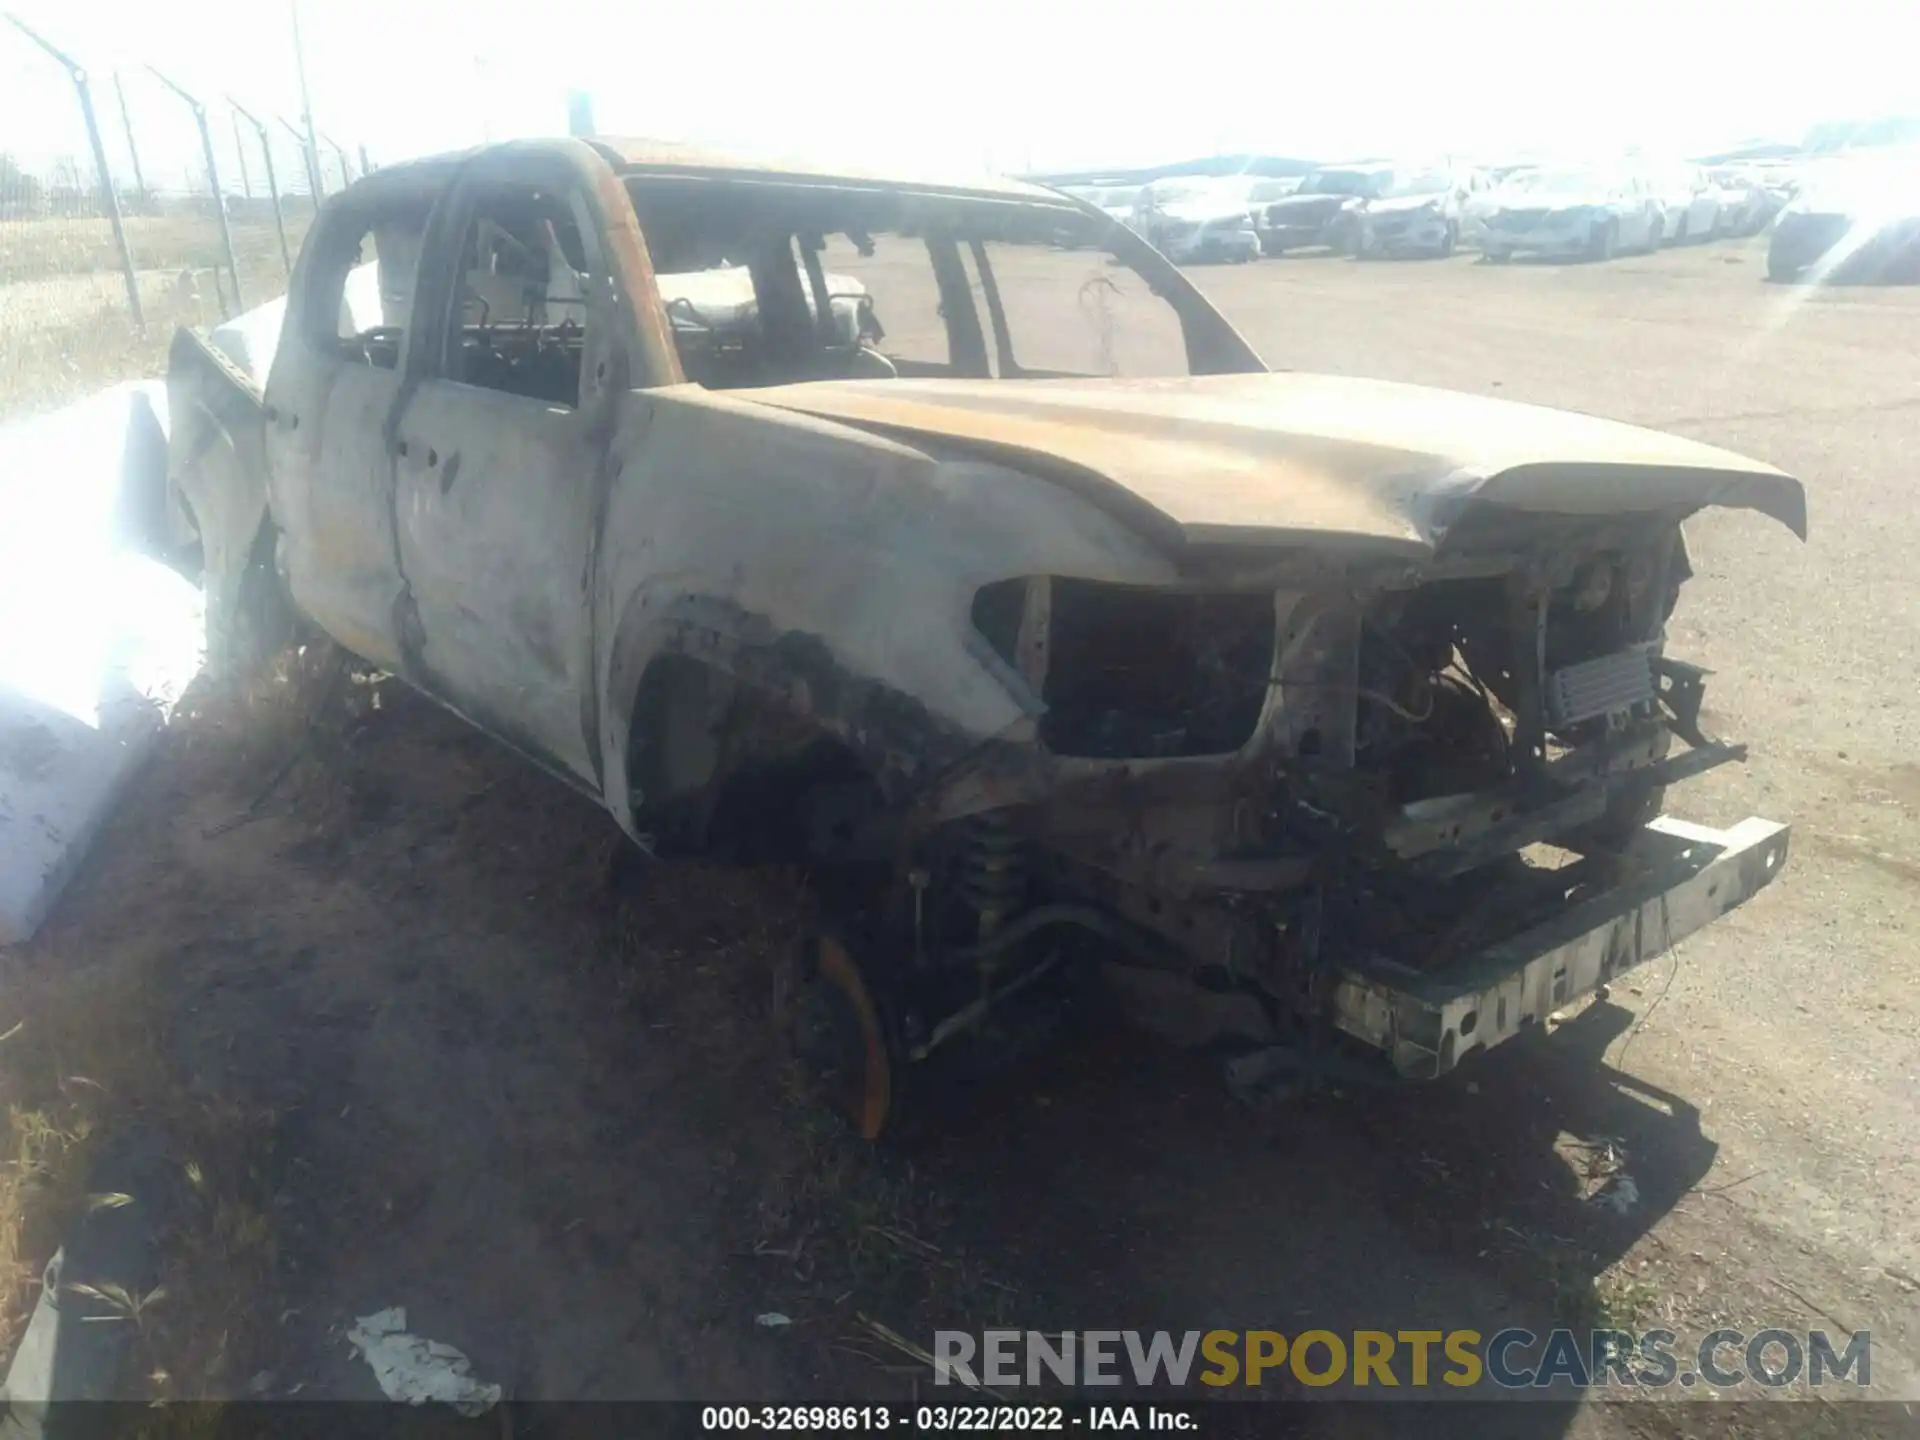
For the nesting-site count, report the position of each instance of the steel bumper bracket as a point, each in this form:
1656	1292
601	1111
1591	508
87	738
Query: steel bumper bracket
1684	877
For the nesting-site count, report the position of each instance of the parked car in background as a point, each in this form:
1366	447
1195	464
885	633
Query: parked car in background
1321	212
1854	218
1495	181
1574	212
1267	188
1192	220
1419	211
1262	191
1744	204
1116	202
1781	181
1691	203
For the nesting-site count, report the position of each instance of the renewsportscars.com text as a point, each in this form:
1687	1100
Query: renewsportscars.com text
1511	1359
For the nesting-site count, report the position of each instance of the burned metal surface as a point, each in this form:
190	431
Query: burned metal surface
218	499
1315	460
646	156
1261	682
1428	1022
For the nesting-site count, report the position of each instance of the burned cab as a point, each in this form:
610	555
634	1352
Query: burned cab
937	534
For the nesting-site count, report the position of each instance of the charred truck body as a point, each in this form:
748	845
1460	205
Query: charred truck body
940	535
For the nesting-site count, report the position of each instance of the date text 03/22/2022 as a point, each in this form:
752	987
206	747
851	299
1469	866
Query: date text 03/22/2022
939	1419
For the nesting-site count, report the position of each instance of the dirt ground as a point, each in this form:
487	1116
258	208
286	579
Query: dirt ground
526	1088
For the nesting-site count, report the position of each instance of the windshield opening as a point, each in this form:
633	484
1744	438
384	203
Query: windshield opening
1420	182
1163	194
1361	183
1559	183
767	286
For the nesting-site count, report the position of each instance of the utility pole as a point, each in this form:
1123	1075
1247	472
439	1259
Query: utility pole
580	114
481	81
312	137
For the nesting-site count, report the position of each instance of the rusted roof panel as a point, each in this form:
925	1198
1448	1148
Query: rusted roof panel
640	156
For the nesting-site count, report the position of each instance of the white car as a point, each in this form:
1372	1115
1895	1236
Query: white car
1321	210
1745	204
1691	201
1268	188
1491	183
1198	219
1116	202
1419	211
1573	213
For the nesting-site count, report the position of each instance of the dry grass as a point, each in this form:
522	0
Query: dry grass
37	249
85	1062
88	1057
64	321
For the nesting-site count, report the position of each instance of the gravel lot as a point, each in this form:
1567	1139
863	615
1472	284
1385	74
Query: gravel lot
528	1096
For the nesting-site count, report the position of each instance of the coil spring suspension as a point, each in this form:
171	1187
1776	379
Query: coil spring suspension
993	869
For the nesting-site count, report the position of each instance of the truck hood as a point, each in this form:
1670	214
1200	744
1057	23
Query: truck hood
1284	459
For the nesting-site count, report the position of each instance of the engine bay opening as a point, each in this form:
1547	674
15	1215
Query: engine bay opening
1152	673
1432	669
1139	673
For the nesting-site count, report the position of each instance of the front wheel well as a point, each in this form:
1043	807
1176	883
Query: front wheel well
716	763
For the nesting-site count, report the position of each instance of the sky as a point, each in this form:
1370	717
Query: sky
1044	84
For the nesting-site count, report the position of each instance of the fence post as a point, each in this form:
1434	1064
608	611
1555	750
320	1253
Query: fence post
240	154
273	180
366	165
108	199
213	181
346	170
133	150
309	138
316	183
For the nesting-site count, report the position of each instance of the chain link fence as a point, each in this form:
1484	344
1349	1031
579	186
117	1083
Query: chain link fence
212	202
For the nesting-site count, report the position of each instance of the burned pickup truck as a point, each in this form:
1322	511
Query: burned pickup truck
940	537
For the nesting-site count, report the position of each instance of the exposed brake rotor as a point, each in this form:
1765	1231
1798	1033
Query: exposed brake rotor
841	1038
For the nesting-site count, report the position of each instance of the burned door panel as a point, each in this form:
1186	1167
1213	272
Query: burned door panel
500	456
494	496
332	487
330	403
